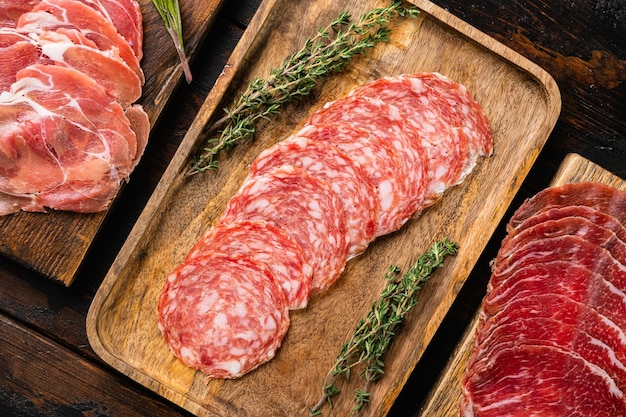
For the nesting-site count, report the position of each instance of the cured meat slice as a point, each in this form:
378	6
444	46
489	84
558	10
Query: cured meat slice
329	163
465	110
262	242
379	162
598	196
549	332
575	226
65	145
437	124
222	314
11	10
111	72
52	15
304	207
16	52
555	307
387	123
126	17
598	218
560	277
533	380
566	248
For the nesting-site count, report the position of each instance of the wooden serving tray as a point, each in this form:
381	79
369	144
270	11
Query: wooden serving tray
55	243
522	102
446	395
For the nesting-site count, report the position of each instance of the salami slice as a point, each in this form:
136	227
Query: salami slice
329	163
222	314
433	118
265	243
303	206
387	123
379	162
466	111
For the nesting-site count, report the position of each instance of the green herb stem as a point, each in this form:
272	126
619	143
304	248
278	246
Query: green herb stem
374	332
170	13
329	51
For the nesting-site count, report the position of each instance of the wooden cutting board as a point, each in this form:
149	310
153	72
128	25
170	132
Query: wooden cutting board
444	399
55	243
522	102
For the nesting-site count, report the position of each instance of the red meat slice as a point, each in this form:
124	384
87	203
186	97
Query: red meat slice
382	166
327	162
556	307
262	242
304	207
11	10
52	15
435	121
117	78
126	17
597	217
549	332
559	277
574	226
385	122
16	52
567	248
598	196
543	381
222	314
65	144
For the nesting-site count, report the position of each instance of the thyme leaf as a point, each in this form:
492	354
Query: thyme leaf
328	52
375	331
170	13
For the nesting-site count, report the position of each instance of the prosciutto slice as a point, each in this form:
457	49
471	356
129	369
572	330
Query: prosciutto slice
70	134
65	143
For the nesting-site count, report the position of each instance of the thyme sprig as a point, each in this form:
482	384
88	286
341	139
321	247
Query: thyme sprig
374	332
170	13
329	51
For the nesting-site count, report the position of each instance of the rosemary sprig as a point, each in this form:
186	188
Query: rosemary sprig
329	51
170	13
374	332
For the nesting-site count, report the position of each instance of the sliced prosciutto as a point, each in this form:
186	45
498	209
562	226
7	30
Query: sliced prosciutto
268	244
303	206
65	143
52	15
223	314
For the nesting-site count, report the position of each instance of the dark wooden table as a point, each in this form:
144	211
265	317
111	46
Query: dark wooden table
47	365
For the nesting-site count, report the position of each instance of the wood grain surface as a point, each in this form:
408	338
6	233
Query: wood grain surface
444	399
521	101
55	243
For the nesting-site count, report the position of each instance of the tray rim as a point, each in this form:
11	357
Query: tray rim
175	169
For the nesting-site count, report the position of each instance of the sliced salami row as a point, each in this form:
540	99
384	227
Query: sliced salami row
69	73
361	167
551	339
